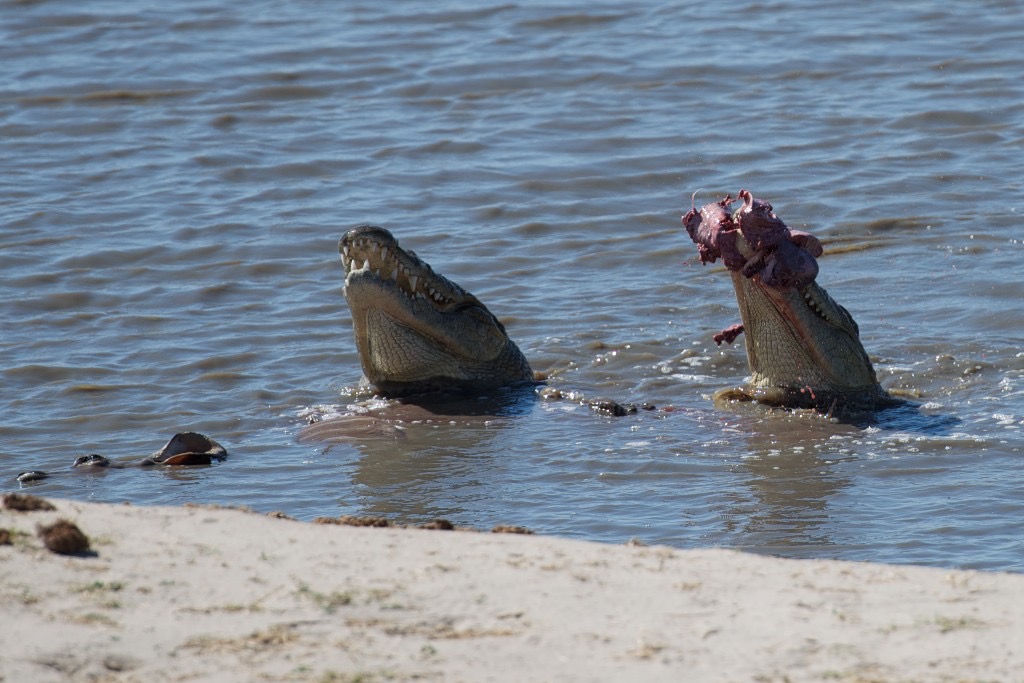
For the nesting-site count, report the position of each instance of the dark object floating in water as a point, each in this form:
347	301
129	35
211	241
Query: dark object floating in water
32	475
184	448
187	448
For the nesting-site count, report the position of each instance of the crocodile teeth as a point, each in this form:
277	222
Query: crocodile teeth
815	305
412	282
366	264
383	253
394	274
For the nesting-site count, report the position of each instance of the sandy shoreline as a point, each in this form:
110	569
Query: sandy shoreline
200	594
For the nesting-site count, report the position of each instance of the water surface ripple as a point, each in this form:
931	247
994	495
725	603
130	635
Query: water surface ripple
175	179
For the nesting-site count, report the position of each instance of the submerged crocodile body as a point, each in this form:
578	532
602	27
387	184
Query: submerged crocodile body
803	348
417	331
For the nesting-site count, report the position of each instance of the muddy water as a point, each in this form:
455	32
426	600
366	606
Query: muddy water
175	180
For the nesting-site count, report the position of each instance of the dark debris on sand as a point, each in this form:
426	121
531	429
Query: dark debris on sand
23	502
510	529
352	520
63	537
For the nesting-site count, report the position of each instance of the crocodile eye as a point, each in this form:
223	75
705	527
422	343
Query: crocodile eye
468	305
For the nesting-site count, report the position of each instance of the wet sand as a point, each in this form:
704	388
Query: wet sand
204	594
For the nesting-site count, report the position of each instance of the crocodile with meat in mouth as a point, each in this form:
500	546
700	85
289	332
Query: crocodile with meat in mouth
803	348
417	331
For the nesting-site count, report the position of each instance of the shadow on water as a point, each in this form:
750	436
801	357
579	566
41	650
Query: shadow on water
906	416
791	489
436	444
899	415
374	418
504	402
795	464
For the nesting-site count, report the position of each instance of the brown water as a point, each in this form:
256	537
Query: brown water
176	177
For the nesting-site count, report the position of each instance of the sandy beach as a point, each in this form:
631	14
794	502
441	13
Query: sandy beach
207	594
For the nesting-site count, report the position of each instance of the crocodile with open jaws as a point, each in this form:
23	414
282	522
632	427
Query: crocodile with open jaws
803	348
417	331
427	342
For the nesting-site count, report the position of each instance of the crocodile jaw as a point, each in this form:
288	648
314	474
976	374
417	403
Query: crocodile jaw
802	347
416	330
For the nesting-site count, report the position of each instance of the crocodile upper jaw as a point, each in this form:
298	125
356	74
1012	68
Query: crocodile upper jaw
417	331
802	342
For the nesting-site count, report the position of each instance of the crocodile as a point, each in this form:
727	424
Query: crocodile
416	331
803	348
429	350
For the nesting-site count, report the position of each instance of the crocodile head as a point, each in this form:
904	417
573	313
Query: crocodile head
803	348
417	331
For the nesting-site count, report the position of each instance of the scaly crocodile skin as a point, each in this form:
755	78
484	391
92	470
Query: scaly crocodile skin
417	331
